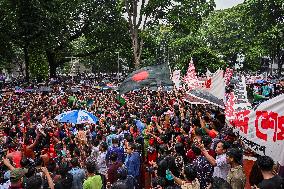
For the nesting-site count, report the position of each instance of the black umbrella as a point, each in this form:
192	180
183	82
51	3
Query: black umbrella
207	97
45	89
193	100
75	90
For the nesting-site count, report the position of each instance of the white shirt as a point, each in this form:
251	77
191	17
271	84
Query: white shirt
222	168
5	185
101	163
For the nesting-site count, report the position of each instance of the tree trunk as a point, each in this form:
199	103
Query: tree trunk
136	61
52	63
27	64
134	22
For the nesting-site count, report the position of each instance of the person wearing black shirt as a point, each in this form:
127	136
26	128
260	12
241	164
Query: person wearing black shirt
270	180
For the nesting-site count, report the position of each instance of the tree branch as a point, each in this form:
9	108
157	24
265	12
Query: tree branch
135	13
78	34
93	52
129	16
141	13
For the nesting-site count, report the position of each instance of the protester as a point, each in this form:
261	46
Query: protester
93	181
77	173
203	168
144	137
112	172
270	180
221	167
236	176
132	162
191	181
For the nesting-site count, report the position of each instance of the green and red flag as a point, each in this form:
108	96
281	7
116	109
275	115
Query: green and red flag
150	76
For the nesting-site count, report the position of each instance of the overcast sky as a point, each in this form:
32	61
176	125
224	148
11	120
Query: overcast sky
224	4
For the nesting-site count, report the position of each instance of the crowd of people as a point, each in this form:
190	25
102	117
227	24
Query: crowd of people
155	139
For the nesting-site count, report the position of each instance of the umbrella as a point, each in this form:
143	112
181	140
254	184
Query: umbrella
75	90
76	117
168	88
29	90
19	90
106	88
260	81
45	89
194	100
206	97
105	81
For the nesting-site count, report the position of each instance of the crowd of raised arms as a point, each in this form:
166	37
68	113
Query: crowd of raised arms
153	140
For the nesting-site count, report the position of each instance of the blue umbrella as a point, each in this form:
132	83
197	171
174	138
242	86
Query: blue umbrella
77	117
260	81
106	87
140	125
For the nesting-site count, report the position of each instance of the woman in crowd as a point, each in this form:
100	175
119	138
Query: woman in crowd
177	141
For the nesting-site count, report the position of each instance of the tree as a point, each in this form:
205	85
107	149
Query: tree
53	27
223	32
22	26
265	20
185	39
145	15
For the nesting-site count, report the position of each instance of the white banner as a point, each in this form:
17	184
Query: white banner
228	75
176	78
190	79
262	130
240	93
217	87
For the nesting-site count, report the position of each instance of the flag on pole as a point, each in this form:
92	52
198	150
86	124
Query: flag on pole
151	76
209	74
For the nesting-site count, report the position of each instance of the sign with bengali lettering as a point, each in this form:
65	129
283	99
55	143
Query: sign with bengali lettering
240	93
262	130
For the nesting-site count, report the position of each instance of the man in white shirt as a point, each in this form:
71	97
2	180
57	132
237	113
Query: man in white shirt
221	167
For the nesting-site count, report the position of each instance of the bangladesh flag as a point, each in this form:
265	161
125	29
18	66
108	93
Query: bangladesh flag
150	76
120	100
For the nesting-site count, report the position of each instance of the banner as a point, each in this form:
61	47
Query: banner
176	78
209	74
217	85
193	100
206	97
228	75
262	130
190	78
240	94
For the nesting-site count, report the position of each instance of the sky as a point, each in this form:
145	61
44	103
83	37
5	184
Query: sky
224	4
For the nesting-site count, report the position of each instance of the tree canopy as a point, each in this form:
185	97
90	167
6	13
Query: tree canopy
42	34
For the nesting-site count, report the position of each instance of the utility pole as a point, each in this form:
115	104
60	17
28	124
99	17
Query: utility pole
72	66
117	65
